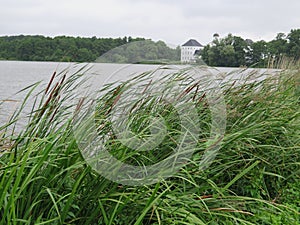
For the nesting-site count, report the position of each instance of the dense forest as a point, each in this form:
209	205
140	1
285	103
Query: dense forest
230	51
235	51
78	49
146	51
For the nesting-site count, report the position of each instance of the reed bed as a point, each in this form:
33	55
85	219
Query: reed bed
254	179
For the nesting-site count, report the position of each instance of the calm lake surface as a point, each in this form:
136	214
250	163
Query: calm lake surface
16	75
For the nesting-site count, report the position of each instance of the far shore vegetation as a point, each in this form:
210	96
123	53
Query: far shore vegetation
229	51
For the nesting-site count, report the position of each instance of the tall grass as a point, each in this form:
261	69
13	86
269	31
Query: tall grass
255	178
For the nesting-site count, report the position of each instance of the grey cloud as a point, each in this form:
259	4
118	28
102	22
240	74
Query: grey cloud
173	21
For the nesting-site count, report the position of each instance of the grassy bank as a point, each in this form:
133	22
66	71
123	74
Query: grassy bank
254	179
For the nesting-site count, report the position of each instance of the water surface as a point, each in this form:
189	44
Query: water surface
16	75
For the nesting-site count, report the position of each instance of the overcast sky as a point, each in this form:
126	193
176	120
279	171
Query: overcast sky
173	21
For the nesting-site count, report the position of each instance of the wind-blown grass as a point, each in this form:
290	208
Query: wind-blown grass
255	178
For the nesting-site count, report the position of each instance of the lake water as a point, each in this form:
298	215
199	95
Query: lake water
16	75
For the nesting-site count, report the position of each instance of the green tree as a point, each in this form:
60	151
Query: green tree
277	48
85	55
293	46
146	51
25	49
61	48
240	46
229	51
257	54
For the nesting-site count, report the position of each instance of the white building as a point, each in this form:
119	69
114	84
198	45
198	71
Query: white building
190	50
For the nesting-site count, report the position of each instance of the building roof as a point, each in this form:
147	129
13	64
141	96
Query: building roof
192	42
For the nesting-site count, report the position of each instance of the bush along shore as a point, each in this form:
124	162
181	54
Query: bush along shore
254	178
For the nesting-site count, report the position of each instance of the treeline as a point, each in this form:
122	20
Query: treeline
74	49
234	51
230	51
146	51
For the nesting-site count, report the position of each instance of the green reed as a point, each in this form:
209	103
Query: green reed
254	179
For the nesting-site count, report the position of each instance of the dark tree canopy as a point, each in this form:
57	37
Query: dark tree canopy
145	51
74	49
233	51
230	51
